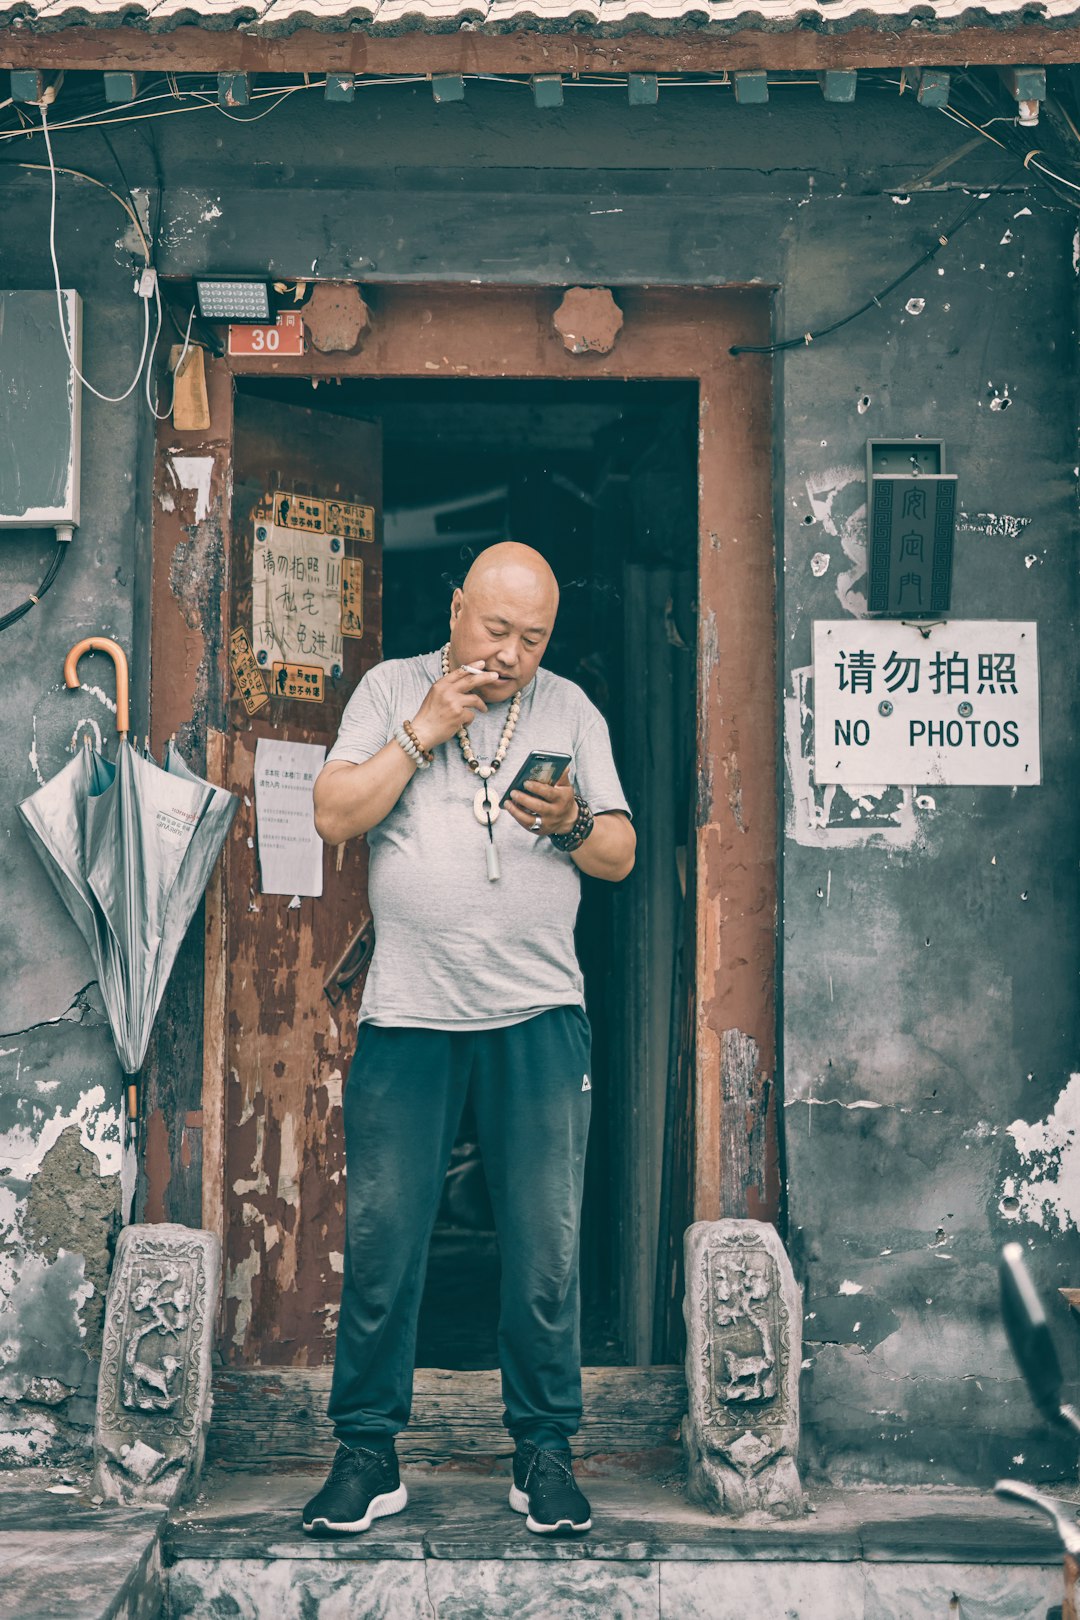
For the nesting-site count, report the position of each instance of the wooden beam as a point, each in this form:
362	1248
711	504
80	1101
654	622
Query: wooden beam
1027	86
547	89
204	50
27	84
233	89
643	89
751	89
838	84
121	87
1026	83
447	87
279	1414
932	87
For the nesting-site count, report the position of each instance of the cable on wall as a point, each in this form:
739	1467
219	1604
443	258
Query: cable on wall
146	285
16	613
874	302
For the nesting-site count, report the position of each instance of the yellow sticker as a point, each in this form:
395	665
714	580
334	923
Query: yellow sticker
352	597
304	682
299	512
246	672
349	520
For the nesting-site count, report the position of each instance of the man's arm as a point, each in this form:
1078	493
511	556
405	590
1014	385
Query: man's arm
609	850
607	853
351	799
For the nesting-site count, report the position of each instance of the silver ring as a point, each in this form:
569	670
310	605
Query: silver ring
538	825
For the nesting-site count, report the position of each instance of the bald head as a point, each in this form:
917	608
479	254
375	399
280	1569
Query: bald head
503	615
516	570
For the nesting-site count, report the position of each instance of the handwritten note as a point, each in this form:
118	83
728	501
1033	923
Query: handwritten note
290	850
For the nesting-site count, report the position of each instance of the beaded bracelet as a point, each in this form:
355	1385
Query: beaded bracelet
583	826
402	737
426	754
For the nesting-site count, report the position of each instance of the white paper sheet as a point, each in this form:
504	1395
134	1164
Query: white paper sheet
296	597
290	850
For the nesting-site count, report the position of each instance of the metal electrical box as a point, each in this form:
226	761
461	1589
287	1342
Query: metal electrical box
40	410
912	519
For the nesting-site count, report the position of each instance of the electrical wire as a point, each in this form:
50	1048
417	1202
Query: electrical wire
147	375
874	302
203	103
163	416
253	118
109	399
43	168
1016	147
16	613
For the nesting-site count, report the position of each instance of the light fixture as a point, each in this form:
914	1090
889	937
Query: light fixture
233	301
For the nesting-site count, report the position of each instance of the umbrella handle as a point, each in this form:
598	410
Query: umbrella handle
120	663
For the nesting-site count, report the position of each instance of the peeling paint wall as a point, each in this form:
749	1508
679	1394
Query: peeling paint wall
929	939
64	1176
929	1013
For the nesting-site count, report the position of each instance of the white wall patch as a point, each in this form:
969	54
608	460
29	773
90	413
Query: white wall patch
1049	1190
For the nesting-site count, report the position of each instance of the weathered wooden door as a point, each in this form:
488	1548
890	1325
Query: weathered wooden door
296	475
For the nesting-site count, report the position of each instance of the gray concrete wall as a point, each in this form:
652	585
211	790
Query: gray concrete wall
63	1167
927	970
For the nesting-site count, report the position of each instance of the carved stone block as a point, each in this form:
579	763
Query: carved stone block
588	320
154	1395
743	1313
337	318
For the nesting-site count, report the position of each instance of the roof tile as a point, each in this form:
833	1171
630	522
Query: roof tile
275	16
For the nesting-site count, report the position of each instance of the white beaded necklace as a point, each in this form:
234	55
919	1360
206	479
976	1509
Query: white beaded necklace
485	808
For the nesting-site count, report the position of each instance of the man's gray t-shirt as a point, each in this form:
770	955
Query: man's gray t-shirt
454	950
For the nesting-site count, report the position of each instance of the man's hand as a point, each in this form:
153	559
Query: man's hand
555	806
450	704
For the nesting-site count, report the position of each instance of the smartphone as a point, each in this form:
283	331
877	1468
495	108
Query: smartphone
540	767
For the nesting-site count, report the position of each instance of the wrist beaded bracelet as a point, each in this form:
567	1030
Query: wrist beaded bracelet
426	754
583	826
414	751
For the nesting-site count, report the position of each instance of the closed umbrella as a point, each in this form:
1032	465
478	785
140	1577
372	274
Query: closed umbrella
129	846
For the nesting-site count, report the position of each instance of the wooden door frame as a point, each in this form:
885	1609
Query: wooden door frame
448	330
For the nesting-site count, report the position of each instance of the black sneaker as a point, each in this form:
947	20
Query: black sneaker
545	1488
363	1485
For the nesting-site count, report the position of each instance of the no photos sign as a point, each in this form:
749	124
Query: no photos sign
912	705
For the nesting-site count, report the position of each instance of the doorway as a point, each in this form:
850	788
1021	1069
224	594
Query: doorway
270	1164
600	477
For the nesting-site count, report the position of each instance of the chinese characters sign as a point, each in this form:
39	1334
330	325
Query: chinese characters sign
306	594
911	544
345	519
303	683
246	672
949	703
352	597
296	598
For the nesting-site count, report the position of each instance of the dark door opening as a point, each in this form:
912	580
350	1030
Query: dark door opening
601	477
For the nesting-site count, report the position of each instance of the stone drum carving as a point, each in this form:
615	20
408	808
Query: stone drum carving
743	1354
154	1396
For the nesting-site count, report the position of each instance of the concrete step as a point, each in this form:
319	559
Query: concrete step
62	1558
458	1553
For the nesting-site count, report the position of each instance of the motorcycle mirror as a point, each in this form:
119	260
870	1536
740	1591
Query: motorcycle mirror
1029	1334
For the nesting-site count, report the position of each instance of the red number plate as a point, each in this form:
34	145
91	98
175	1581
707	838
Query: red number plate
286	336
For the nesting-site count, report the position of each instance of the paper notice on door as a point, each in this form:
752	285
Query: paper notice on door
296	596
290	850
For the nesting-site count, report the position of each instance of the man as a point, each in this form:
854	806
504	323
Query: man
474	986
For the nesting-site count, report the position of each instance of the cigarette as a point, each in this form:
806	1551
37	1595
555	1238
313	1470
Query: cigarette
478	669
